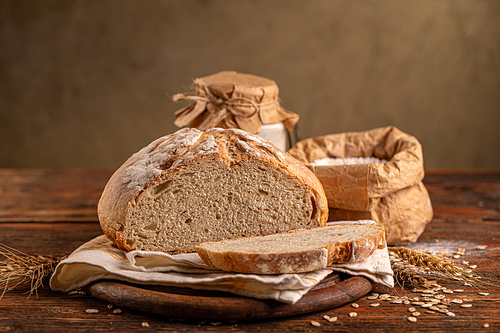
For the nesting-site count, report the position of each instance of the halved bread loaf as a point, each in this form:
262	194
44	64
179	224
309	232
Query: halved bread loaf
295	251
193	186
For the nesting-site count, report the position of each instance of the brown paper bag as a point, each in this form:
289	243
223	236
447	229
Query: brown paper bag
404	214
390	193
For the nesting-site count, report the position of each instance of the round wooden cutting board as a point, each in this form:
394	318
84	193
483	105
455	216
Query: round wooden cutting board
333	291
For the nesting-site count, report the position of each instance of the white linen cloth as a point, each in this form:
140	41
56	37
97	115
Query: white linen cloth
100	259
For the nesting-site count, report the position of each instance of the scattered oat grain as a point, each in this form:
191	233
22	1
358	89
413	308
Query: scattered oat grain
481	247
412	319
117	311
92	311
473	266
451	314
412	309
415	314
466	305
483	294
355	305
315	323
429	311
374	305
145	324
458	290
486	325
329	319
352	314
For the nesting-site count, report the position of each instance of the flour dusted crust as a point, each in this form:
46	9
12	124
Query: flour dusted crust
294	251
193	158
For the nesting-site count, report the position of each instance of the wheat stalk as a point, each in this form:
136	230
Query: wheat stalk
425	260
414	266
19	268
403	275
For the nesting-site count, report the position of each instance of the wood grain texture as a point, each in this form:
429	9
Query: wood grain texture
467	214
41	195
331	292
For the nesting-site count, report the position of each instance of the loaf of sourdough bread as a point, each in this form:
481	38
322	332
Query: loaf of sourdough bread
193	186
295	251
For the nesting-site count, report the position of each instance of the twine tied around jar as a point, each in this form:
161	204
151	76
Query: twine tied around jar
233	100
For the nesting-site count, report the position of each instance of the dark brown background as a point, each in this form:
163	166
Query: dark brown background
88	83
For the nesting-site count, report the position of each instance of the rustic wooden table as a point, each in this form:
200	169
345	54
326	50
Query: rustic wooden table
52	212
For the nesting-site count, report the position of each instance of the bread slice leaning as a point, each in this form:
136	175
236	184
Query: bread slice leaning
294	251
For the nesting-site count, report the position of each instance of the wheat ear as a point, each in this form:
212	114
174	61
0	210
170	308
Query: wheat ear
19	268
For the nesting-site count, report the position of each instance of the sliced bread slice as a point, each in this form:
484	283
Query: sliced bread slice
295	251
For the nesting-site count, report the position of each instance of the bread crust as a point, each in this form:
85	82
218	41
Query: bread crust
297	261
161	159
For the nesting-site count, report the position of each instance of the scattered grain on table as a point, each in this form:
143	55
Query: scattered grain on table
330	319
